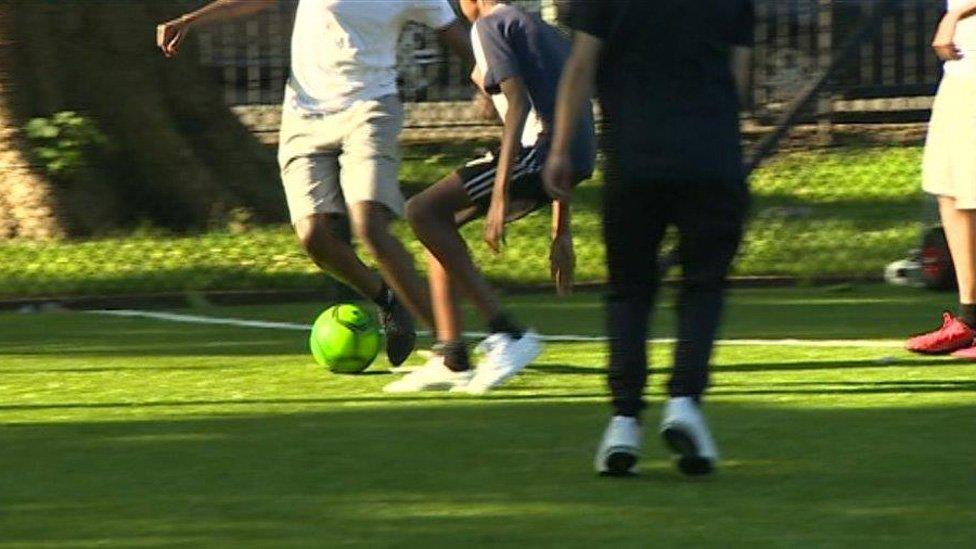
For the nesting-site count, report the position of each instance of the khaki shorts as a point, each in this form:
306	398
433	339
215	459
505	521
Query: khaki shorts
949	168
331	161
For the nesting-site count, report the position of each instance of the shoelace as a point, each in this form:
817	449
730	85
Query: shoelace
946	322
941	335
946	319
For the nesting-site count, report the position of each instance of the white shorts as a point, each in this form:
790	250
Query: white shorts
329	161
949	167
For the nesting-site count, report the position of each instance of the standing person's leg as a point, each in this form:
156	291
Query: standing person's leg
634	222
710	217
949	173
633	226
951	156
710	223
960	230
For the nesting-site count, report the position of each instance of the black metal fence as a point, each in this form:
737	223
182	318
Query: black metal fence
899	60
796	38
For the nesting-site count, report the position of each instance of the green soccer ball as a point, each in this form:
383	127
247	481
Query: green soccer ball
345	338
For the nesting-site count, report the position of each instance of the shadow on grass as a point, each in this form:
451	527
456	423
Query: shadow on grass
119	369
551	369
500	396
138	369
508	474
869	388
910	362
518	394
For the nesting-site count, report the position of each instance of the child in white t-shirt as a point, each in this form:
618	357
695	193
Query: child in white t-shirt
338	150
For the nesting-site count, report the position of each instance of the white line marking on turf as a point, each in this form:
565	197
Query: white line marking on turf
567	338
195	319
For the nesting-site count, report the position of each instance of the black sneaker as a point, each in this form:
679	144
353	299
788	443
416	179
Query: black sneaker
401	336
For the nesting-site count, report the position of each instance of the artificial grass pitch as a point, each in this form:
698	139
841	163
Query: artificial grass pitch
127	432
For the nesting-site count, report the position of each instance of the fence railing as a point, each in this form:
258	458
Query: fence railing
795	39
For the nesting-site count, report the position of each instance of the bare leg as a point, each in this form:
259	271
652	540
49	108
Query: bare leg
960	230
371	224
446	301
431	214
319	235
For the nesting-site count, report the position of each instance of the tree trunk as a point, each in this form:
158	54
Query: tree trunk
180	159
26	199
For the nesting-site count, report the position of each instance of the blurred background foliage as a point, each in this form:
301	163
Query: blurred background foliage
124	172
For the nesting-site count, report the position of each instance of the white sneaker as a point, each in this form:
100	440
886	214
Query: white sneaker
505	356
433	376
684	430
620	447
407	368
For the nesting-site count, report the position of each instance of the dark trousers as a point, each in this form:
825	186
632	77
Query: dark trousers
709	218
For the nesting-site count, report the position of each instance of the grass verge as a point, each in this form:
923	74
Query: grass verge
836	213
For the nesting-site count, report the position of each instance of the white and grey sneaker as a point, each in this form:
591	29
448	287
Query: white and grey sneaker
505	356
432	376
619	448
685	431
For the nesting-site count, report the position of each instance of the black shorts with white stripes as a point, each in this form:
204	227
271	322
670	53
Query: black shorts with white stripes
526	190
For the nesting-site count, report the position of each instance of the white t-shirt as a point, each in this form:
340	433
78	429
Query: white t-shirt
533	125
344	51
965	41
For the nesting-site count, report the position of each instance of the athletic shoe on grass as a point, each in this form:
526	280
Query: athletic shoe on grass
505	356
619	448
401	337
424	354
969	353
433	376
684	431
952	336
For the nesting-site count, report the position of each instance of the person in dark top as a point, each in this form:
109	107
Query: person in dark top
666	74
519	61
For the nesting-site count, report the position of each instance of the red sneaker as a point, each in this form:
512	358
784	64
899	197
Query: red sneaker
952	336
969	353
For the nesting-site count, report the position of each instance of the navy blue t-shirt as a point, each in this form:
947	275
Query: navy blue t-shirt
665	82
518	44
